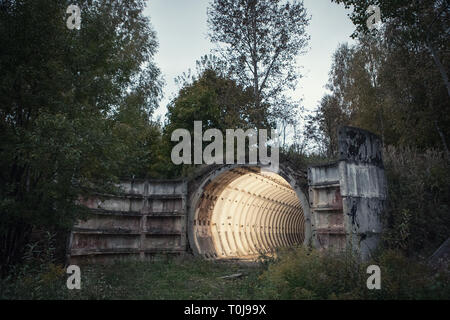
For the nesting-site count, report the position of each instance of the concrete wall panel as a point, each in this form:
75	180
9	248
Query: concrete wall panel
238	210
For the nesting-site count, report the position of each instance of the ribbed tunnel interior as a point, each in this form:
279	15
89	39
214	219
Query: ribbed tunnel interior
243	212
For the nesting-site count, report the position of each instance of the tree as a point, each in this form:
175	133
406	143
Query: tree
418	22
387	88
261	40
287	114
141	155
60	93
418	25
217	101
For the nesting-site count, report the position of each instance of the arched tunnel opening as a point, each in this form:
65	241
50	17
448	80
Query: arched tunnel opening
243	212
237	211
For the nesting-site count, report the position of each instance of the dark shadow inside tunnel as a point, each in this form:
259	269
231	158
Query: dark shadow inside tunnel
243	212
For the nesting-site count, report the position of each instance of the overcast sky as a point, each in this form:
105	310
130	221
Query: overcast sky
182	34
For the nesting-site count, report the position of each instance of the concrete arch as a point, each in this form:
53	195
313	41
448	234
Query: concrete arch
235	210
238	210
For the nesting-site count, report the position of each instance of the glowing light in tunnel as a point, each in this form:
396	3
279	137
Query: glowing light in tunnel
243	213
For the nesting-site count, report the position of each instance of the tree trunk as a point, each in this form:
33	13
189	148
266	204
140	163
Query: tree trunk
444	142
255	58
441	68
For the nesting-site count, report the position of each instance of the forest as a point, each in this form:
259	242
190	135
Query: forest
77	113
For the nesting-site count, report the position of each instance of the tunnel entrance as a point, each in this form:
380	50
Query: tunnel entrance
242	212
237	211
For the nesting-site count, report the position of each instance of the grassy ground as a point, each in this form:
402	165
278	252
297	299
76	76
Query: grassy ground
165	279
295	274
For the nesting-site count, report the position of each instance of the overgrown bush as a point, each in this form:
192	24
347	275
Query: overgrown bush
417	220
40	273
310	274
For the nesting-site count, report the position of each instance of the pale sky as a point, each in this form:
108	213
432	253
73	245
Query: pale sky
182	35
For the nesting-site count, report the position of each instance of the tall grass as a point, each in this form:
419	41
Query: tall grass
296	273
310	274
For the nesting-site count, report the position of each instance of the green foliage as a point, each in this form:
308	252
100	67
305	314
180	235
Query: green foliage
308	274
142	154
293	274
64	95
261	40
38	275
417	219
399	84
418	21
387	88
165	278
217	101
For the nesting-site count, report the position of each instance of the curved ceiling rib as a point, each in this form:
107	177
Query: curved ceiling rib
244	212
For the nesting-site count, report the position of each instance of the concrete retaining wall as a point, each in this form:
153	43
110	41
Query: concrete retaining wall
348	197
148	217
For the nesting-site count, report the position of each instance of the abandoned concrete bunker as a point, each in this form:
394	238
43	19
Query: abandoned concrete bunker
239	211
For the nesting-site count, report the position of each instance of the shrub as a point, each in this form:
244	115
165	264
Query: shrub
417	219
39	275
310	274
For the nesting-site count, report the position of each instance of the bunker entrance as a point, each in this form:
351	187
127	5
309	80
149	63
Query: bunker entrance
244	212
